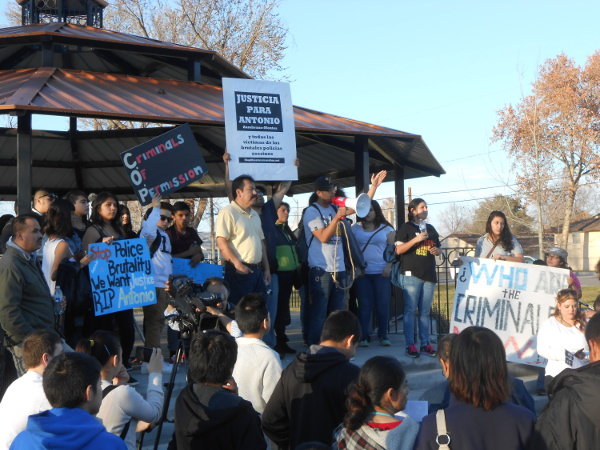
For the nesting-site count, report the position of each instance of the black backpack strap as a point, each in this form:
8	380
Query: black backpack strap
155	244
107	390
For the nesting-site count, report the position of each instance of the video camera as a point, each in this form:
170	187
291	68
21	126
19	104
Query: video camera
191	300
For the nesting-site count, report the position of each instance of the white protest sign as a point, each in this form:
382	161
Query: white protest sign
511	299
259	128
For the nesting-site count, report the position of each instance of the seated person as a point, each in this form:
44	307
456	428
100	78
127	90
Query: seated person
258	368
438	396
208	412
25	396
72	385
124	411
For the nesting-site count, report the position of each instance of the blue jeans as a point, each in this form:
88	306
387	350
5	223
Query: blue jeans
272	299
241	284
418	294
325	298
373	291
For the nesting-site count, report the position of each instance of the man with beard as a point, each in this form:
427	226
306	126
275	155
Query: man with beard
241	241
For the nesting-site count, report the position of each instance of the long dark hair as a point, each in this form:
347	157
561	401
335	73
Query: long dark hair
379	217
286	227
97	219
478	369
101	345
377	375
413	205
506	237
127	227
58	219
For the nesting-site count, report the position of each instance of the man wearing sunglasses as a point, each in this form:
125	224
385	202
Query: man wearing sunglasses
42	200
157	219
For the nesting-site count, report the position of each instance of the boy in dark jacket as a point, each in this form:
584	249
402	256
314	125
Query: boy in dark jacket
208	413
309	400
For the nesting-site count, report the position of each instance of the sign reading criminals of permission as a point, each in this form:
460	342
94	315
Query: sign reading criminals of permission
511	299
164	164
121	276
259	128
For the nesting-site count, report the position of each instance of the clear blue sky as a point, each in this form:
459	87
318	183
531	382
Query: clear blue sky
435	68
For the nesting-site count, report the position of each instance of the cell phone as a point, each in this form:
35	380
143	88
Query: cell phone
143	354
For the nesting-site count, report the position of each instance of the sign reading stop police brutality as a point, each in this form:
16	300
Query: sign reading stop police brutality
164	164
259	127
511	299
121	276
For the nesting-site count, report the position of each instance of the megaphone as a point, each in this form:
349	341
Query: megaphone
362	204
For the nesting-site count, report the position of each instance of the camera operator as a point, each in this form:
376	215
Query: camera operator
223	311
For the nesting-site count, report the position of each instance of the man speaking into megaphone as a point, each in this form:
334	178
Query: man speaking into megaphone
328	238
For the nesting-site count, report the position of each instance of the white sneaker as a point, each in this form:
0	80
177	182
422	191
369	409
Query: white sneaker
144	368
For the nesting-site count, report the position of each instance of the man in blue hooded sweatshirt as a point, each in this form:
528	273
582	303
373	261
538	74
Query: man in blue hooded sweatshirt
72	385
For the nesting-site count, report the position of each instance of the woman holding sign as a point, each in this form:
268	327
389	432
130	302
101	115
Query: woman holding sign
498	242
106	227
561	338
418	243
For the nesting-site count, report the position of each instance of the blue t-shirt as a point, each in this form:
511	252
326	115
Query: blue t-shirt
328	256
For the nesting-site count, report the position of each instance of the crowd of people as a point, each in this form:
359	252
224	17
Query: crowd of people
73	366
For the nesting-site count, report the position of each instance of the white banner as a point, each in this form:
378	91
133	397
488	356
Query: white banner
511	299
259	128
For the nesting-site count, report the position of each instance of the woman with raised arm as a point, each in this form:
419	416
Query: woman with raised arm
498	243
418	243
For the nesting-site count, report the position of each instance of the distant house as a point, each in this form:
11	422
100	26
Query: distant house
459	244
584	243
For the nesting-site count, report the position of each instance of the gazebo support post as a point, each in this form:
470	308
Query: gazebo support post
24	152
399	191
361	164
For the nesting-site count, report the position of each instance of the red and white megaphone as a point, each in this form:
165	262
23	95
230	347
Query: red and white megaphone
362	204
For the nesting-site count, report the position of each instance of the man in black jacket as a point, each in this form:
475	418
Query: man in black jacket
308	401
571	419
208	413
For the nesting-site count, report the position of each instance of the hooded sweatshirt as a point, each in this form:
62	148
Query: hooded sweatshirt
571	419
209	417
66	428
308	402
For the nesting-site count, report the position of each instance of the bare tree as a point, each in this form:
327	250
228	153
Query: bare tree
455	218
553	133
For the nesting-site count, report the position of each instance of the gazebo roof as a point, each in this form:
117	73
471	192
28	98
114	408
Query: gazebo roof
95	73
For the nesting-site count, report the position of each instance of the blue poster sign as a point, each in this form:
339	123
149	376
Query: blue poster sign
199	273
121	276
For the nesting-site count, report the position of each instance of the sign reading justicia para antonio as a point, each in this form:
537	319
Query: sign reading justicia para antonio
259	127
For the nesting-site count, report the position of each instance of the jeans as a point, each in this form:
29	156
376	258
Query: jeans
283	318
418	294
324	298
373	292
272	301
241	284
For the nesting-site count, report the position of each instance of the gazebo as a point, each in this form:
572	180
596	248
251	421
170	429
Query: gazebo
82	71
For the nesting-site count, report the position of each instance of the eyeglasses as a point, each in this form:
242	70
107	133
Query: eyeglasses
568	292
168	219
52	196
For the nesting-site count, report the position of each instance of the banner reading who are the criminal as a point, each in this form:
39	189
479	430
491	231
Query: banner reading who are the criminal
511	299
164	164
259	128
